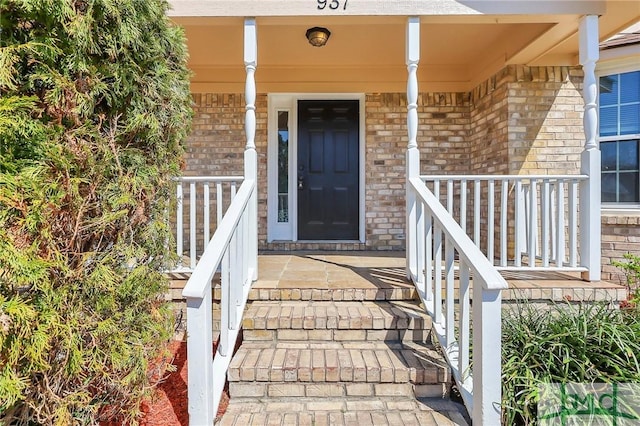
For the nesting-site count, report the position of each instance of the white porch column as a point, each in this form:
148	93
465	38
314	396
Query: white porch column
250	155
413	154
590	226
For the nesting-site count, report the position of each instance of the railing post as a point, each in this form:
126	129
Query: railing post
590	226
250	155
200	350
413	154
487	349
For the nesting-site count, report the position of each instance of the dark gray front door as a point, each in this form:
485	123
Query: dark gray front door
328	170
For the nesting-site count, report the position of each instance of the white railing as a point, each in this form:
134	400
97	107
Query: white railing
234	249
437	244
201	202
518	221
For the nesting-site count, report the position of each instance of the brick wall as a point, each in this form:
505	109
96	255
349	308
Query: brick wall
620	235
216	146
545	120
527	120
443	141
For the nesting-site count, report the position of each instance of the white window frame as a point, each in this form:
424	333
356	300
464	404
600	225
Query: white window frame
622	66
278	231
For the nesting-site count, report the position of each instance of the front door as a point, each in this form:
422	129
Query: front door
328	170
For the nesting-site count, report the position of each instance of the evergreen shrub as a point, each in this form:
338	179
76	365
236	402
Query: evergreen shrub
94	105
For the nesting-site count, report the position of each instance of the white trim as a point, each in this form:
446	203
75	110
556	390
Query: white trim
208	8
621	209
278	230
619	60
612	67
289	102
618	138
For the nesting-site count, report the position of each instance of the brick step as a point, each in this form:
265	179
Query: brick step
339	321
379	411
262	291
334	365
371	293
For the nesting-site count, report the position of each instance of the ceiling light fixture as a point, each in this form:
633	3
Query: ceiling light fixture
318	36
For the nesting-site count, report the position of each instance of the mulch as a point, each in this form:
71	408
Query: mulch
169	406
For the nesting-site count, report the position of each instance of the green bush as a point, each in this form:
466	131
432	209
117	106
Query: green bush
94	105
569	343
631	269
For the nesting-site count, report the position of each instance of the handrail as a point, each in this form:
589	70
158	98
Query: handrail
501	177
428	222
208	178
467	250
233	247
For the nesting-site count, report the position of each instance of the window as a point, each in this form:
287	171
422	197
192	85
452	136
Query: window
620	137
283	166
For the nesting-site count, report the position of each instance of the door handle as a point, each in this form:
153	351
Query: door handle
300	182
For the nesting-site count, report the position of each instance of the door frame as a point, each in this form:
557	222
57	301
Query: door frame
289	102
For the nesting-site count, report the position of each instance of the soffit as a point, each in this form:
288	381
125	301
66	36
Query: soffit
458	52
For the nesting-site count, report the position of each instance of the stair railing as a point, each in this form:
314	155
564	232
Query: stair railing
233	249
438	242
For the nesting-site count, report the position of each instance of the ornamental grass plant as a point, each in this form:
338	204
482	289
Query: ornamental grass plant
580	343
94	106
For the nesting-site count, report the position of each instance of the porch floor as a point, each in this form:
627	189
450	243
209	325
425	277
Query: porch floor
374	275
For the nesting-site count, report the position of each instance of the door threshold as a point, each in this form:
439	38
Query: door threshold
306	245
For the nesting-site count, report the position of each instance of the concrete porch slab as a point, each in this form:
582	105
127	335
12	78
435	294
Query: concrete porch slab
372	275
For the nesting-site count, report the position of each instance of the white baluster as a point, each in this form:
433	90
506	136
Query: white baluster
545	207
573	223
504	211
205	213
520	231
179	222
450	196
234	278
491	219
219	205
428	262
553	216
560	224
420	242
192	225
463	341
463	205
437	282
225	305
533	221
477	201
449	296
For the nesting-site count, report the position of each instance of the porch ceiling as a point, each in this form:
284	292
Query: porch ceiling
366	53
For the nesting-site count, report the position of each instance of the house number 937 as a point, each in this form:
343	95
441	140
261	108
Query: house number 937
332	4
